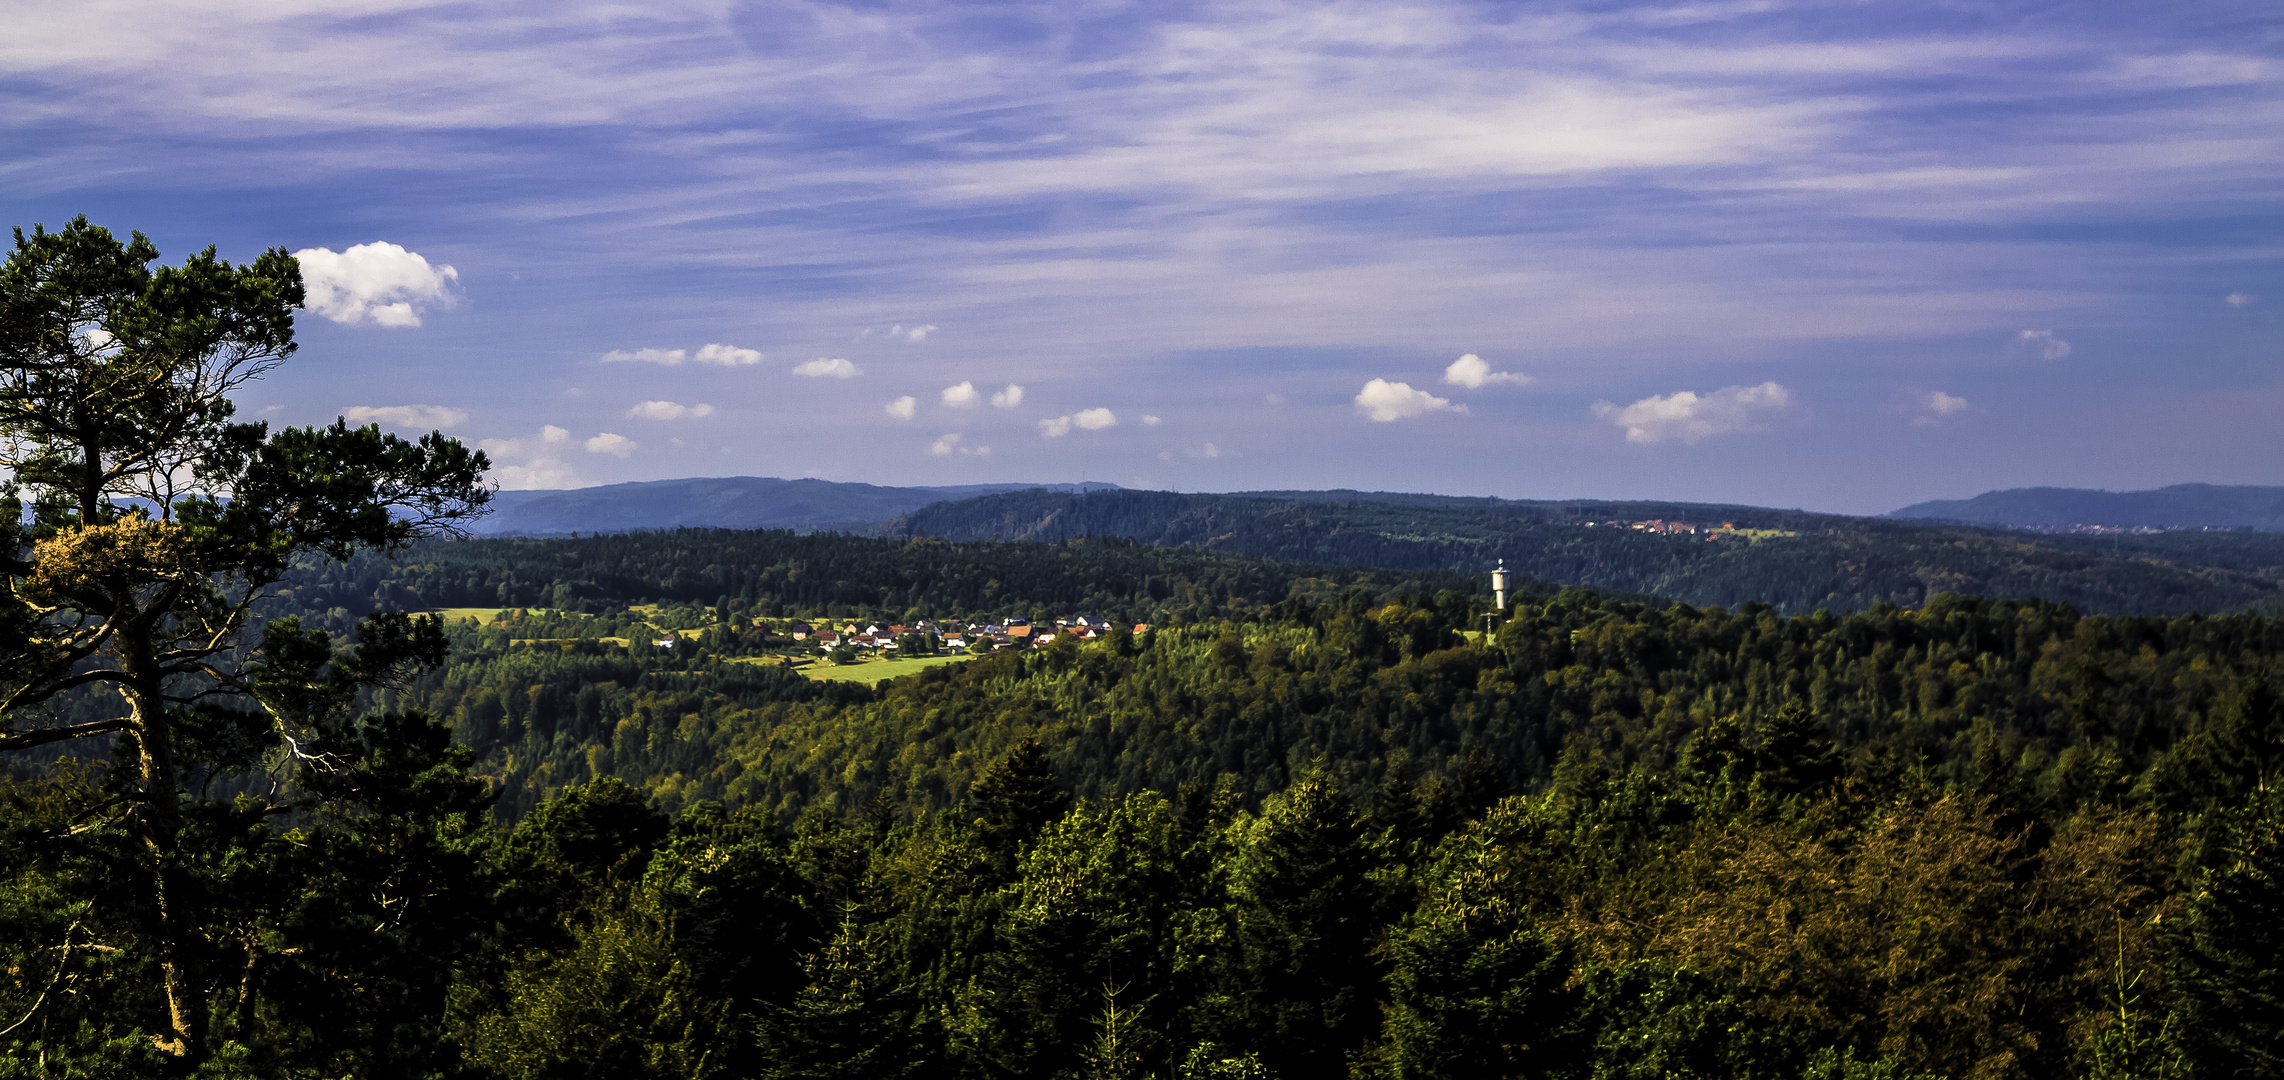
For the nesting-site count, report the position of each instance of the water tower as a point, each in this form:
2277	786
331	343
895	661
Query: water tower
1499	587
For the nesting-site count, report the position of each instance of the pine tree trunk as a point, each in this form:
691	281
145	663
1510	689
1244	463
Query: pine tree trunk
160	822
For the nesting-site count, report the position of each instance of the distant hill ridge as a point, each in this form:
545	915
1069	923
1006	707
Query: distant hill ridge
2181	506
1792	559
724	502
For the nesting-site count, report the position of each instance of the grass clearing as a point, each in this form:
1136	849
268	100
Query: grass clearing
872	671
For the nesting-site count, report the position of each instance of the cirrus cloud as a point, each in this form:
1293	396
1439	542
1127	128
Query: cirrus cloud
406	416
825	367
668	410
1689	416
1382	402
664	357
380	283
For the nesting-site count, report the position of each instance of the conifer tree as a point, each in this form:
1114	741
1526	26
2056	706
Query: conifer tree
2229	952
157	524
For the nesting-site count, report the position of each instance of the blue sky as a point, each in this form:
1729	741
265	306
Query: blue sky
1838	256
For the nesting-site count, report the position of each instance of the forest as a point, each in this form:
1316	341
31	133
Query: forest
1303	837
1796	561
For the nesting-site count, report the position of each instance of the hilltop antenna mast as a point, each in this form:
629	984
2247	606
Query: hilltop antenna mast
1498	614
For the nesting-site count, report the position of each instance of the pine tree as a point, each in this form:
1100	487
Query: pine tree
2228	953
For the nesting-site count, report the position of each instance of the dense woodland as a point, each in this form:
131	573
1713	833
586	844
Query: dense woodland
1797	562
1310	836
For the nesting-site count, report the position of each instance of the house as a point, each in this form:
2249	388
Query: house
1019	630
1141	628
828	637
798	631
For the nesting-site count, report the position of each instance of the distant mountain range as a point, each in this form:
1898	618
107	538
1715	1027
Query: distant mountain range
1794	560
2182	506
724	502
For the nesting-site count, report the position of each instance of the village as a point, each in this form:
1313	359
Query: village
1668	528
930	637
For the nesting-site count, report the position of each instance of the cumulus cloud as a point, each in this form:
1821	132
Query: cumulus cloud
1690	416
1936	406
667	410
912	333
727	356
1087	419
668	357
963	396
950	444
1008	398
405	416
1209	450
1150	421
617	446
530	463
903	407
1474	373
2049	347
828	367
379	282
1384	401
2237	299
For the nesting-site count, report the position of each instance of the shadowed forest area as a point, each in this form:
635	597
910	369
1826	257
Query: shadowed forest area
1325	834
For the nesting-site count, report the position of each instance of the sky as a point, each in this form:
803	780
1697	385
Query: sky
1839	256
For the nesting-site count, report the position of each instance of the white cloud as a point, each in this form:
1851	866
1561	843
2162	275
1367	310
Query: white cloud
727	356
911	333
2048	346
1384	401
1150	421
963	396
405	416
1937	405
828	367
950	444
1089	419
2237	299
617	446
667	357
531	463
1209	450
377	282
1008	398
1473	372
1689	416
903	407
667	410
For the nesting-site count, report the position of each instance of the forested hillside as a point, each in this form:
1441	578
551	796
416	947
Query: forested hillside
2181	506
1294	839
1795	561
